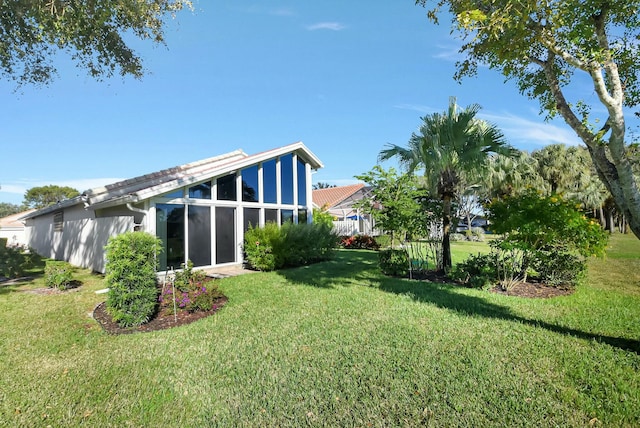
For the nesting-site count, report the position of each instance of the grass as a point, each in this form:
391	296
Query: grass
334	344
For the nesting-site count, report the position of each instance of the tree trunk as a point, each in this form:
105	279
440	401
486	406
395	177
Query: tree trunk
446	229
608	155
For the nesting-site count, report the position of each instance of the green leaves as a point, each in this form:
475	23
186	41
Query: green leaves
92	33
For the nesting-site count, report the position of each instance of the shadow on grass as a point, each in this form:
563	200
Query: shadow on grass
342	270
349	267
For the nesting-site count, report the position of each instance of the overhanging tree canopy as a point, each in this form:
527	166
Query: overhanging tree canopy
92	32
542	46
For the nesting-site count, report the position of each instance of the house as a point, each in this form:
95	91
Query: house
12	228
199	211
339	201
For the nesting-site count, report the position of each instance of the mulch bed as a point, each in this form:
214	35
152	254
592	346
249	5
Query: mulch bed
161	321
522	289
534	290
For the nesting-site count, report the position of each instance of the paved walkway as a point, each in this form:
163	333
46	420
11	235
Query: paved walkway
227	271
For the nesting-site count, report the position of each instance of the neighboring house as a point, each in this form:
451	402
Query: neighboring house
199	211
12	228
339	202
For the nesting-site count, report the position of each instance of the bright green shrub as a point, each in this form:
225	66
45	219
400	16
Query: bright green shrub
58	274
322	217
131	277
264	247
394	262
272	247
543	228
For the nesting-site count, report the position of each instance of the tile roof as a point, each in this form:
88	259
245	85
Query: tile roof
12	221
334	195
164	181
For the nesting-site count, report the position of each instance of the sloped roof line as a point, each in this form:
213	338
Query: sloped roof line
13	220
164	181
137	183
334	195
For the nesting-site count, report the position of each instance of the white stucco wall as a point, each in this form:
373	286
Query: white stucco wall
82	240
15	235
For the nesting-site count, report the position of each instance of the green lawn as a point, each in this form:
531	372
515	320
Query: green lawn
335	344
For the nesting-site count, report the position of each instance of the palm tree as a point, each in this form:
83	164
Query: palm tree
449	145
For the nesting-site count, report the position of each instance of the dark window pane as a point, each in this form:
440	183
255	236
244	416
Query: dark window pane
269	183
227	188
170	230
176	194
225	235
200	191
250	184
302	216
251	218
199	235
287	216
286	175
302	183
271	216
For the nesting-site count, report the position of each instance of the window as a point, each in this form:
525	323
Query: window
271	216
58	221
286	174
250	184
269	183
302	183
170	230
199	235
200	191
251	218
302	216
225	235
286	216
227	188
174	195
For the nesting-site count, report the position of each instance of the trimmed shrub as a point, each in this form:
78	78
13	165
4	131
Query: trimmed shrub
3	243
559	268
394	262
264	247
359	242
455	237
477	234
131	277
383	241
272	247
477	271
58	274
14	261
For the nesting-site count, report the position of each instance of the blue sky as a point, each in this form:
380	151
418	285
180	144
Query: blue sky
345	78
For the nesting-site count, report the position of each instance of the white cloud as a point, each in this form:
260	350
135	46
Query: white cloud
448	53
282	12
334	26
520	129
416	107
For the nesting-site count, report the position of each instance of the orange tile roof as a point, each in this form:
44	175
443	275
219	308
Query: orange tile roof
11	221
334	195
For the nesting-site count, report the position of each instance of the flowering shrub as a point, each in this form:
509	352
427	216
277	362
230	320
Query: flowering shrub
361	242
189	291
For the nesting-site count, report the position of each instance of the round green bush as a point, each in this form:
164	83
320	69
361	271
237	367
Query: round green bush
131	277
